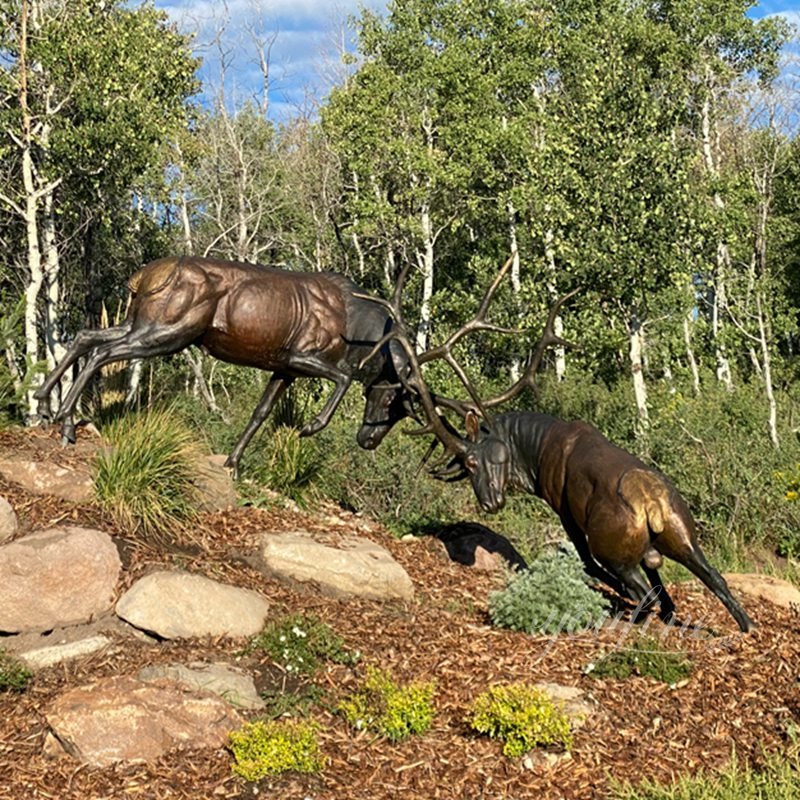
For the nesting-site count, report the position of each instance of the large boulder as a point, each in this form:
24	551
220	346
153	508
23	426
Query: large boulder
57	577
125	719
765	587
43	477
214	484
181	605
357	567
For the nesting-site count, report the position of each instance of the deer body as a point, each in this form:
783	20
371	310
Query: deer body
293	324
619	513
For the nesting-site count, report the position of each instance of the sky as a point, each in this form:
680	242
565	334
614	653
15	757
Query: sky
304	38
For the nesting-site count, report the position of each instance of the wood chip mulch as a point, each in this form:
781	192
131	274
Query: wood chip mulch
743	695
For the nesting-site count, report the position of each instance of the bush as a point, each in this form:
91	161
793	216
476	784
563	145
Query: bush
389	710
644	657
298	642
14	676
146	480
264	748
551	596
522	716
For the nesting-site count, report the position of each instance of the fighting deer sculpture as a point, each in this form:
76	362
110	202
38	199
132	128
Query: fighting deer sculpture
619	513
293	324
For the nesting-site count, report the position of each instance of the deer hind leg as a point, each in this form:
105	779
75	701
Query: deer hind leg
590	565
85	341
695	561
143	342
276	386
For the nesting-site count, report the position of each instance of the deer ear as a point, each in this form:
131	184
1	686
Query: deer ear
473	426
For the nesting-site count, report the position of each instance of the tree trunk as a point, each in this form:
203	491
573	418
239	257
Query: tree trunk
425	260
635	352
558	322
687	338
767	364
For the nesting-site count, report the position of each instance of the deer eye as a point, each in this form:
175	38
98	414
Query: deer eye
471	463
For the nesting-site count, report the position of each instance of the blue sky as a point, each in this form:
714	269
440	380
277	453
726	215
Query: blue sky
307	37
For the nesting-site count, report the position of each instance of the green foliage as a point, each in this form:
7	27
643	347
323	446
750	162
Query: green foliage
646	658
522	716
389	710
145	480
551	596
263	748
299	642
14	676
288	703
778	778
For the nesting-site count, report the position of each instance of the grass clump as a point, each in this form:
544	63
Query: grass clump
644	657
389	710
14	676
146	479
522	716
551	596
263	748
298	643
777	779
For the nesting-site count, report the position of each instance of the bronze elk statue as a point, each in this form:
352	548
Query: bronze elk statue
292	324
620	514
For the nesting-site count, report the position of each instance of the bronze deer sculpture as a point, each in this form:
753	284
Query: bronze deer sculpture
619	513
293	324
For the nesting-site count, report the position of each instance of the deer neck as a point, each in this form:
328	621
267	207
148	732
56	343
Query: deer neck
523	433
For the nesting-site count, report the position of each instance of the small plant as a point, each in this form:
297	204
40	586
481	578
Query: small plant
279	703
299	642
146	479
14	676
551	596
644	657
291	462
389	710
264	748
523	717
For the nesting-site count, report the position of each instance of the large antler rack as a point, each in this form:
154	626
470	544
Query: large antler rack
436	423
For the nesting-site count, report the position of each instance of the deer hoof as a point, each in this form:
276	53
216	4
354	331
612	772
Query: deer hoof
233	467
310	428
68	433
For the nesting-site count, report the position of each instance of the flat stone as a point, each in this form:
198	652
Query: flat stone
572	702
765	587
47	656
231	683
42	477
181	605
57	577
356	568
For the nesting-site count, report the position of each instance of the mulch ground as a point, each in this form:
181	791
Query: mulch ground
743	695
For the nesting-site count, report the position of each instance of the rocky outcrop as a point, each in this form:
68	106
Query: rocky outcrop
765	587
42	477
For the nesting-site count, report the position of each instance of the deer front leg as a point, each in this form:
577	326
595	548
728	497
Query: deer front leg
314	367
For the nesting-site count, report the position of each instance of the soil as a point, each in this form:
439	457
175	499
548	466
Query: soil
743	696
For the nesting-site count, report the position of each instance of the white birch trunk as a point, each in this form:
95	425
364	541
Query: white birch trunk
425	260
558	322
636	342
687	338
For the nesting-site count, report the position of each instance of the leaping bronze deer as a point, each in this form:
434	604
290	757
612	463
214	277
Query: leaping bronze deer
293	324
619	513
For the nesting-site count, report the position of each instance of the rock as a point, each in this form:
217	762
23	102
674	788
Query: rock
765	587
486	561
42	477
47	656
180	605
571	701
57	577
358	567
232	684
545	759
215	484
125	719
8	521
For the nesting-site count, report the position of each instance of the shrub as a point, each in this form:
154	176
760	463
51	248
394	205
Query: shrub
389	710
146	479
522	716
551	596
14	676
264	748
644	657
298	642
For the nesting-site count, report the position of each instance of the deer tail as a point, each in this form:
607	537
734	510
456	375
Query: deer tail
647	495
